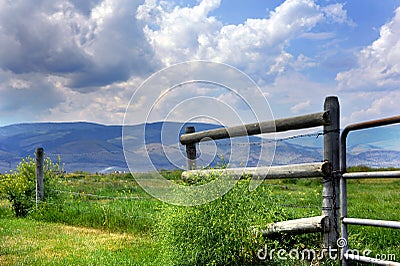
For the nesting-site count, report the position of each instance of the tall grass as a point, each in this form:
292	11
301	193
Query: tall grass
114	203
226	231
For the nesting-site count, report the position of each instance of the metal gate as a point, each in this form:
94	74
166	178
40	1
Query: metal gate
343	193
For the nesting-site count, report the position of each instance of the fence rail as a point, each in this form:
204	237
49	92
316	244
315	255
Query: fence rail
279	125
369	222
298	226
377	174
305	170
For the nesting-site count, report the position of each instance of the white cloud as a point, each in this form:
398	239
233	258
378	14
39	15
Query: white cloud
186	33
293	89
378	63
380	104
175	33
300	107
280	63
337	14
107	104
318	35
303	62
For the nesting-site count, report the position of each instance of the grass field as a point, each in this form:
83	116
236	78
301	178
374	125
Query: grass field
29	242
110	220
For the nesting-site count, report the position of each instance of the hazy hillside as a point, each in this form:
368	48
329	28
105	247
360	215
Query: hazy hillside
98	148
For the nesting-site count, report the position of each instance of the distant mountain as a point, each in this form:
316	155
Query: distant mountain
98	148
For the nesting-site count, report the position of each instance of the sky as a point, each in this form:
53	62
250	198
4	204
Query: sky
89	60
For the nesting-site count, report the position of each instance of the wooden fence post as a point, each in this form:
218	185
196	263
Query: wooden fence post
191	151
330	190
39	174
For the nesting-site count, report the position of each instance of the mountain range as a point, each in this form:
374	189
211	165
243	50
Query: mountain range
94	147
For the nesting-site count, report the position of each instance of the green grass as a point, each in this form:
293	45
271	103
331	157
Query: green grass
374	199
28	242
112	203
110	220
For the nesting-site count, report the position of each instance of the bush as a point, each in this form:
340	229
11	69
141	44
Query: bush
221	232
19	186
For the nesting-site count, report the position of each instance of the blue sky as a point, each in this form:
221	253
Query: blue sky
83	60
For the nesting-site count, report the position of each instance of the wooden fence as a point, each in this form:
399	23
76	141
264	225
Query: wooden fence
332	170
328	222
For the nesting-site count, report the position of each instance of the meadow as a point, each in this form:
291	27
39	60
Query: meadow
109	220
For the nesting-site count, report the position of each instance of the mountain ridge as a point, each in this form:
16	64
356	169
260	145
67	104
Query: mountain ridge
93	147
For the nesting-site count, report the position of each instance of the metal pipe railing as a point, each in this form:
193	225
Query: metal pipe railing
344	175
370	222
359	126
377	174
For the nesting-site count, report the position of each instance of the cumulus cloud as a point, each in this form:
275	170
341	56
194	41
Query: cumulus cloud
34	40
84	57
106	105
177	33
62	38
378	63
52	49
184	33
337	14
376	105
118	47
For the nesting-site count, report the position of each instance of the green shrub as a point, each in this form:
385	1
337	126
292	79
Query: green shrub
19	186
171	174
221	232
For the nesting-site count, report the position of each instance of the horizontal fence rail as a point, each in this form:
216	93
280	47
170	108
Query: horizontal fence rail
369	222
310	225
279	125
359	175
377	174
305	170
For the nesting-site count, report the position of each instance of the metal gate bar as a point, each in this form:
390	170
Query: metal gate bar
369	222
380	174
343	190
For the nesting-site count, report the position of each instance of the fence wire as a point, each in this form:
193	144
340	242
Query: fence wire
180	148
83	194
263	141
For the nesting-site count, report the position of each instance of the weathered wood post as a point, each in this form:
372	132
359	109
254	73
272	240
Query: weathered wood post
39	174
191	151
330	190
